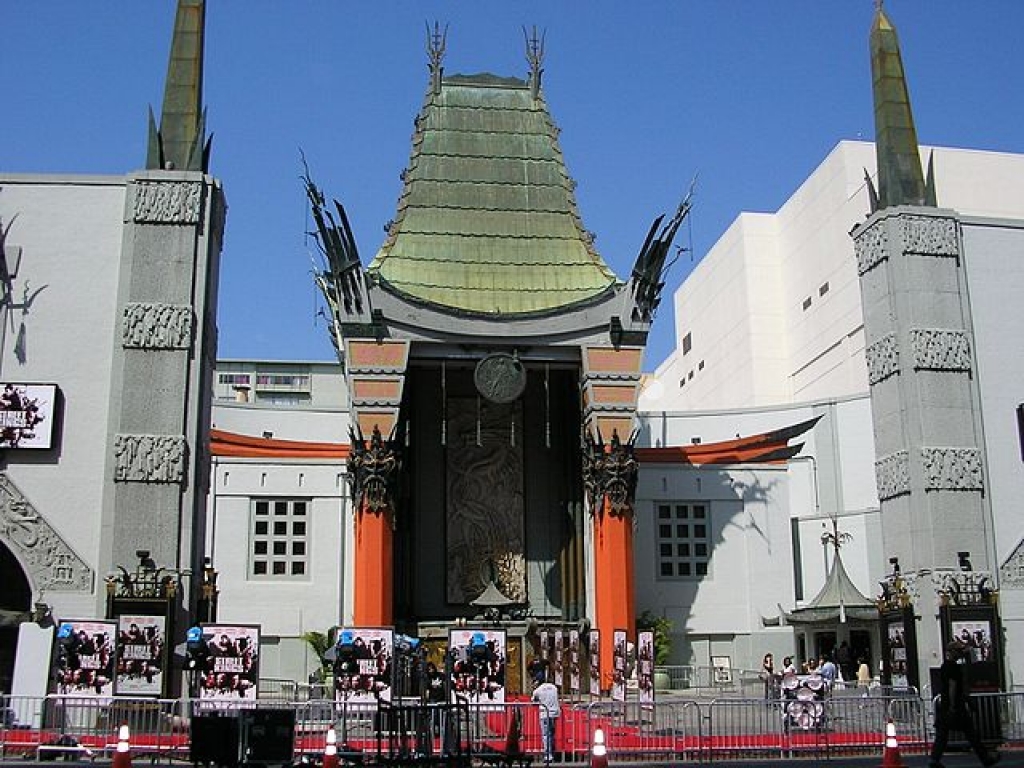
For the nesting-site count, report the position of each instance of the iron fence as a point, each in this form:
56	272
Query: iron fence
672	729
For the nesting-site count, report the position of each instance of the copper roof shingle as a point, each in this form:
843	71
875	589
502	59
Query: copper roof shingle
487	220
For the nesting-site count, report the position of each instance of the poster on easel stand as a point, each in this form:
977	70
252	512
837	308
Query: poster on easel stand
575	662
363	658
232	669
645	666
141	656
619	651
558	660
85	657
594	661
478	665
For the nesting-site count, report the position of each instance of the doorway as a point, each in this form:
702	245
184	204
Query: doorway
15	598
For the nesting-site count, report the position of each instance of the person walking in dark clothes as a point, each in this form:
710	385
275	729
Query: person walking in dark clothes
953	711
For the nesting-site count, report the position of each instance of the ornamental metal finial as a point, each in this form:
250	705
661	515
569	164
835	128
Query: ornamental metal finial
436	43
535	57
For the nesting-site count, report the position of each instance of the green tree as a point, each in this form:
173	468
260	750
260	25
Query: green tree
662	629
319	642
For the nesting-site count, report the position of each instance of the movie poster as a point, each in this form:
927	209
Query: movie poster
645	666
619	665
897	642
140	655
558	660
976	635
545	641
574	661
85	658
363	665
594	661
478	664
232	667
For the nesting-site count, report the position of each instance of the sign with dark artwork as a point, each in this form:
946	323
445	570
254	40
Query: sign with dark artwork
85	658
233	665
363	665
619	653
140	655
575	659
478	664
900	648
977	627
594	661
558	660
27	415
645	666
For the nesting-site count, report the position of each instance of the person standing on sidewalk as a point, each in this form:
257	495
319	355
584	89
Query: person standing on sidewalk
953	710
546	695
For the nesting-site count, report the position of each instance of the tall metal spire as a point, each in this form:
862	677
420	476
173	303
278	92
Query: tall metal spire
179	141
900	180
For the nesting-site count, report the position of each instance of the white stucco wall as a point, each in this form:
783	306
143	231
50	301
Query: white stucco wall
69	232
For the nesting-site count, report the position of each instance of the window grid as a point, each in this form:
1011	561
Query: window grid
684	542
279	539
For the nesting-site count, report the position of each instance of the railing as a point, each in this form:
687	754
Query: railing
673	729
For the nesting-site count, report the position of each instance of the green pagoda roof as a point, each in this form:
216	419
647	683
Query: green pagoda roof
487	222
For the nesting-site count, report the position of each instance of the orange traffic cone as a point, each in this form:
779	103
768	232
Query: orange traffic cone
122	757
891	751
598	751
331	750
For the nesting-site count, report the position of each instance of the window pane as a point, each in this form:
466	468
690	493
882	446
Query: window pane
298	568
280	547
259	547
699	511
700	532
664	511
280	507
666	550
666	569
259	567
279	567
299	508
684	569
702	569
682	531
665	531
261	527
682	512
684	550
298	548
262	507
280	528
299	528
701	550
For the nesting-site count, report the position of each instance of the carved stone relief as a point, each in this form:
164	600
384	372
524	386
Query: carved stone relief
929	236
883	358
167	202
935	349
149	458
952	469
1011	573
872	247
52	564
892	474
157	326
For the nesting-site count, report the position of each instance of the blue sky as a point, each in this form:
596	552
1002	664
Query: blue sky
750	94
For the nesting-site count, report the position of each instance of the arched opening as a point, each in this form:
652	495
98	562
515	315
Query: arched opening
15	597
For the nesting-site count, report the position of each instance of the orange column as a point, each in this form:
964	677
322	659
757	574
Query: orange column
613	576
374	579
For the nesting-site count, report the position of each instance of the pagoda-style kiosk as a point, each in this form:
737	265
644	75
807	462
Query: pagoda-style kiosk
493	363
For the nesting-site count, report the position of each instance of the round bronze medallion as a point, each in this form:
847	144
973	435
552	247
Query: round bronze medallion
500	377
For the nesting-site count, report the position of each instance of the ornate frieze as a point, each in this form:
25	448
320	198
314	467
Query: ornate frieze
883	358
51	563
936	349
149	458
952	469
610	474
167	202
872	247
929	236
892	474
157	326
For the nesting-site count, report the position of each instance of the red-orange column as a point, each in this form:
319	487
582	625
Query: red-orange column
613	576
374	583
